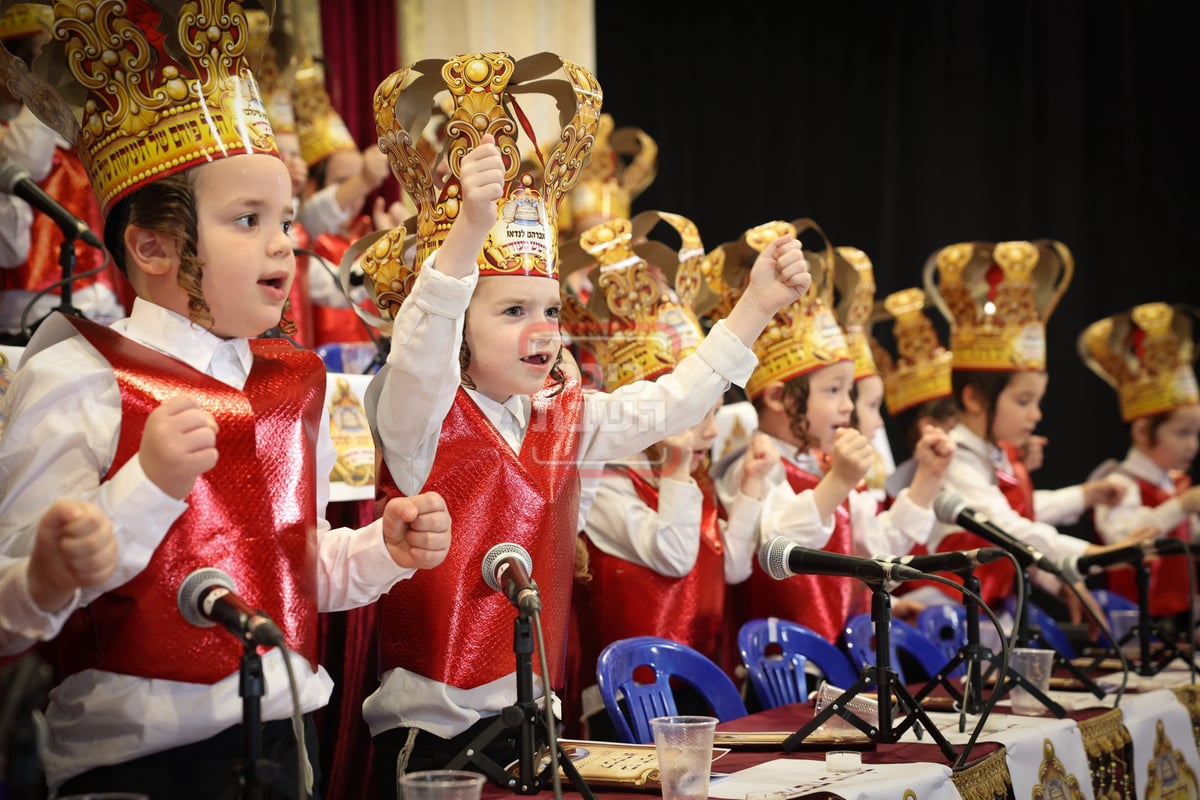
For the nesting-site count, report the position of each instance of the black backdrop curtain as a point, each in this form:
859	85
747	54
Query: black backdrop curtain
901	127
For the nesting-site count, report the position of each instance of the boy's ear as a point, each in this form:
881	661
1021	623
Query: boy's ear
152	252
972	400
772	397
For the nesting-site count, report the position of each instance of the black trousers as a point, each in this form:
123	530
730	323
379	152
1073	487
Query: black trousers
211	769
434	752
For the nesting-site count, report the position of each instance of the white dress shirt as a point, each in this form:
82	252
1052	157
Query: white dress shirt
1114	523
422	373
786	512
63	422
22	622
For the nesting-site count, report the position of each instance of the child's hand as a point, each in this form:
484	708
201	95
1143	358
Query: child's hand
779	275
1103	492
75	547
387	217
179	444
482	182
934	450
760	457
1033	453
676	454
416	530
1190	499
852	456
375	167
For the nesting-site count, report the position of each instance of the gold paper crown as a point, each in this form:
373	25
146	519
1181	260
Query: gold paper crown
484	88
321	129
158	91
1146	354
997	298
267	50
922	371
854	282
641	318
621	166
801	337
25	19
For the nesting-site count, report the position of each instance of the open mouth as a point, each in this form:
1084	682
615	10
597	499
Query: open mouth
537	359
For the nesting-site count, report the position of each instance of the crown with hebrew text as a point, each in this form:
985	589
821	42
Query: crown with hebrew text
854	290
146	89
997	298
921	370
641	316
25	19
1147	355
621	166
486	91
802	336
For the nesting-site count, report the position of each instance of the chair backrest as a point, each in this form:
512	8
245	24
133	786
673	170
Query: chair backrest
945	625
860	642
635	679
776	651
1051	633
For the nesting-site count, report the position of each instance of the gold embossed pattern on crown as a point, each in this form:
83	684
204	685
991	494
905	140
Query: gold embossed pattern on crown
487	92
997	298
147	89
922	369
1147	355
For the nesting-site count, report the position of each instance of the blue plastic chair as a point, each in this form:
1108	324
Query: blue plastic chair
1051	633
945	625
635	678
775	652
860	643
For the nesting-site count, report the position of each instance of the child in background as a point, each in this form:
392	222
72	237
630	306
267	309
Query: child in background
31	241
510	437
801	391
1146	354
205	446
997	298
660	548
73	548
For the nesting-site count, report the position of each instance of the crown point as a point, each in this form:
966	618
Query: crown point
476	70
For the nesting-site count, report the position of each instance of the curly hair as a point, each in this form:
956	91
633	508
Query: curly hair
168	206
987	383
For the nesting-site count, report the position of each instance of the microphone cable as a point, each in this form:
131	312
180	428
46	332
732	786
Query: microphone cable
26	330
547	705
304	770
381	352
1005	649
1103	625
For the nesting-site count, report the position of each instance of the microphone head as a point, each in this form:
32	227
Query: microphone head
948	505
194	585
10	174
501	551
773	557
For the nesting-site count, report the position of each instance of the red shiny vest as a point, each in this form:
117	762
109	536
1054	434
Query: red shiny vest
1168	574
336	324
624	599
819	602
67	182
446	623
252	516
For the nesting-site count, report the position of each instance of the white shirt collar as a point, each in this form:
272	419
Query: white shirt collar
1142	466
161	329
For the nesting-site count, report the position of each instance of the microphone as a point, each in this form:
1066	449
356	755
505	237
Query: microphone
782	558
16	180
506	569
1094	563
959	561
950	508
207	597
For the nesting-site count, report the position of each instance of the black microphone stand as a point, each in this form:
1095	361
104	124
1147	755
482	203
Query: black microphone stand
254	771
522	715
972	652
1148	663
883	678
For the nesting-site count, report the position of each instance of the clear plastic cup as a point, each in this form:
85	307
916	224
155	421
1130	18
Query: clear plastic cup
684	747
